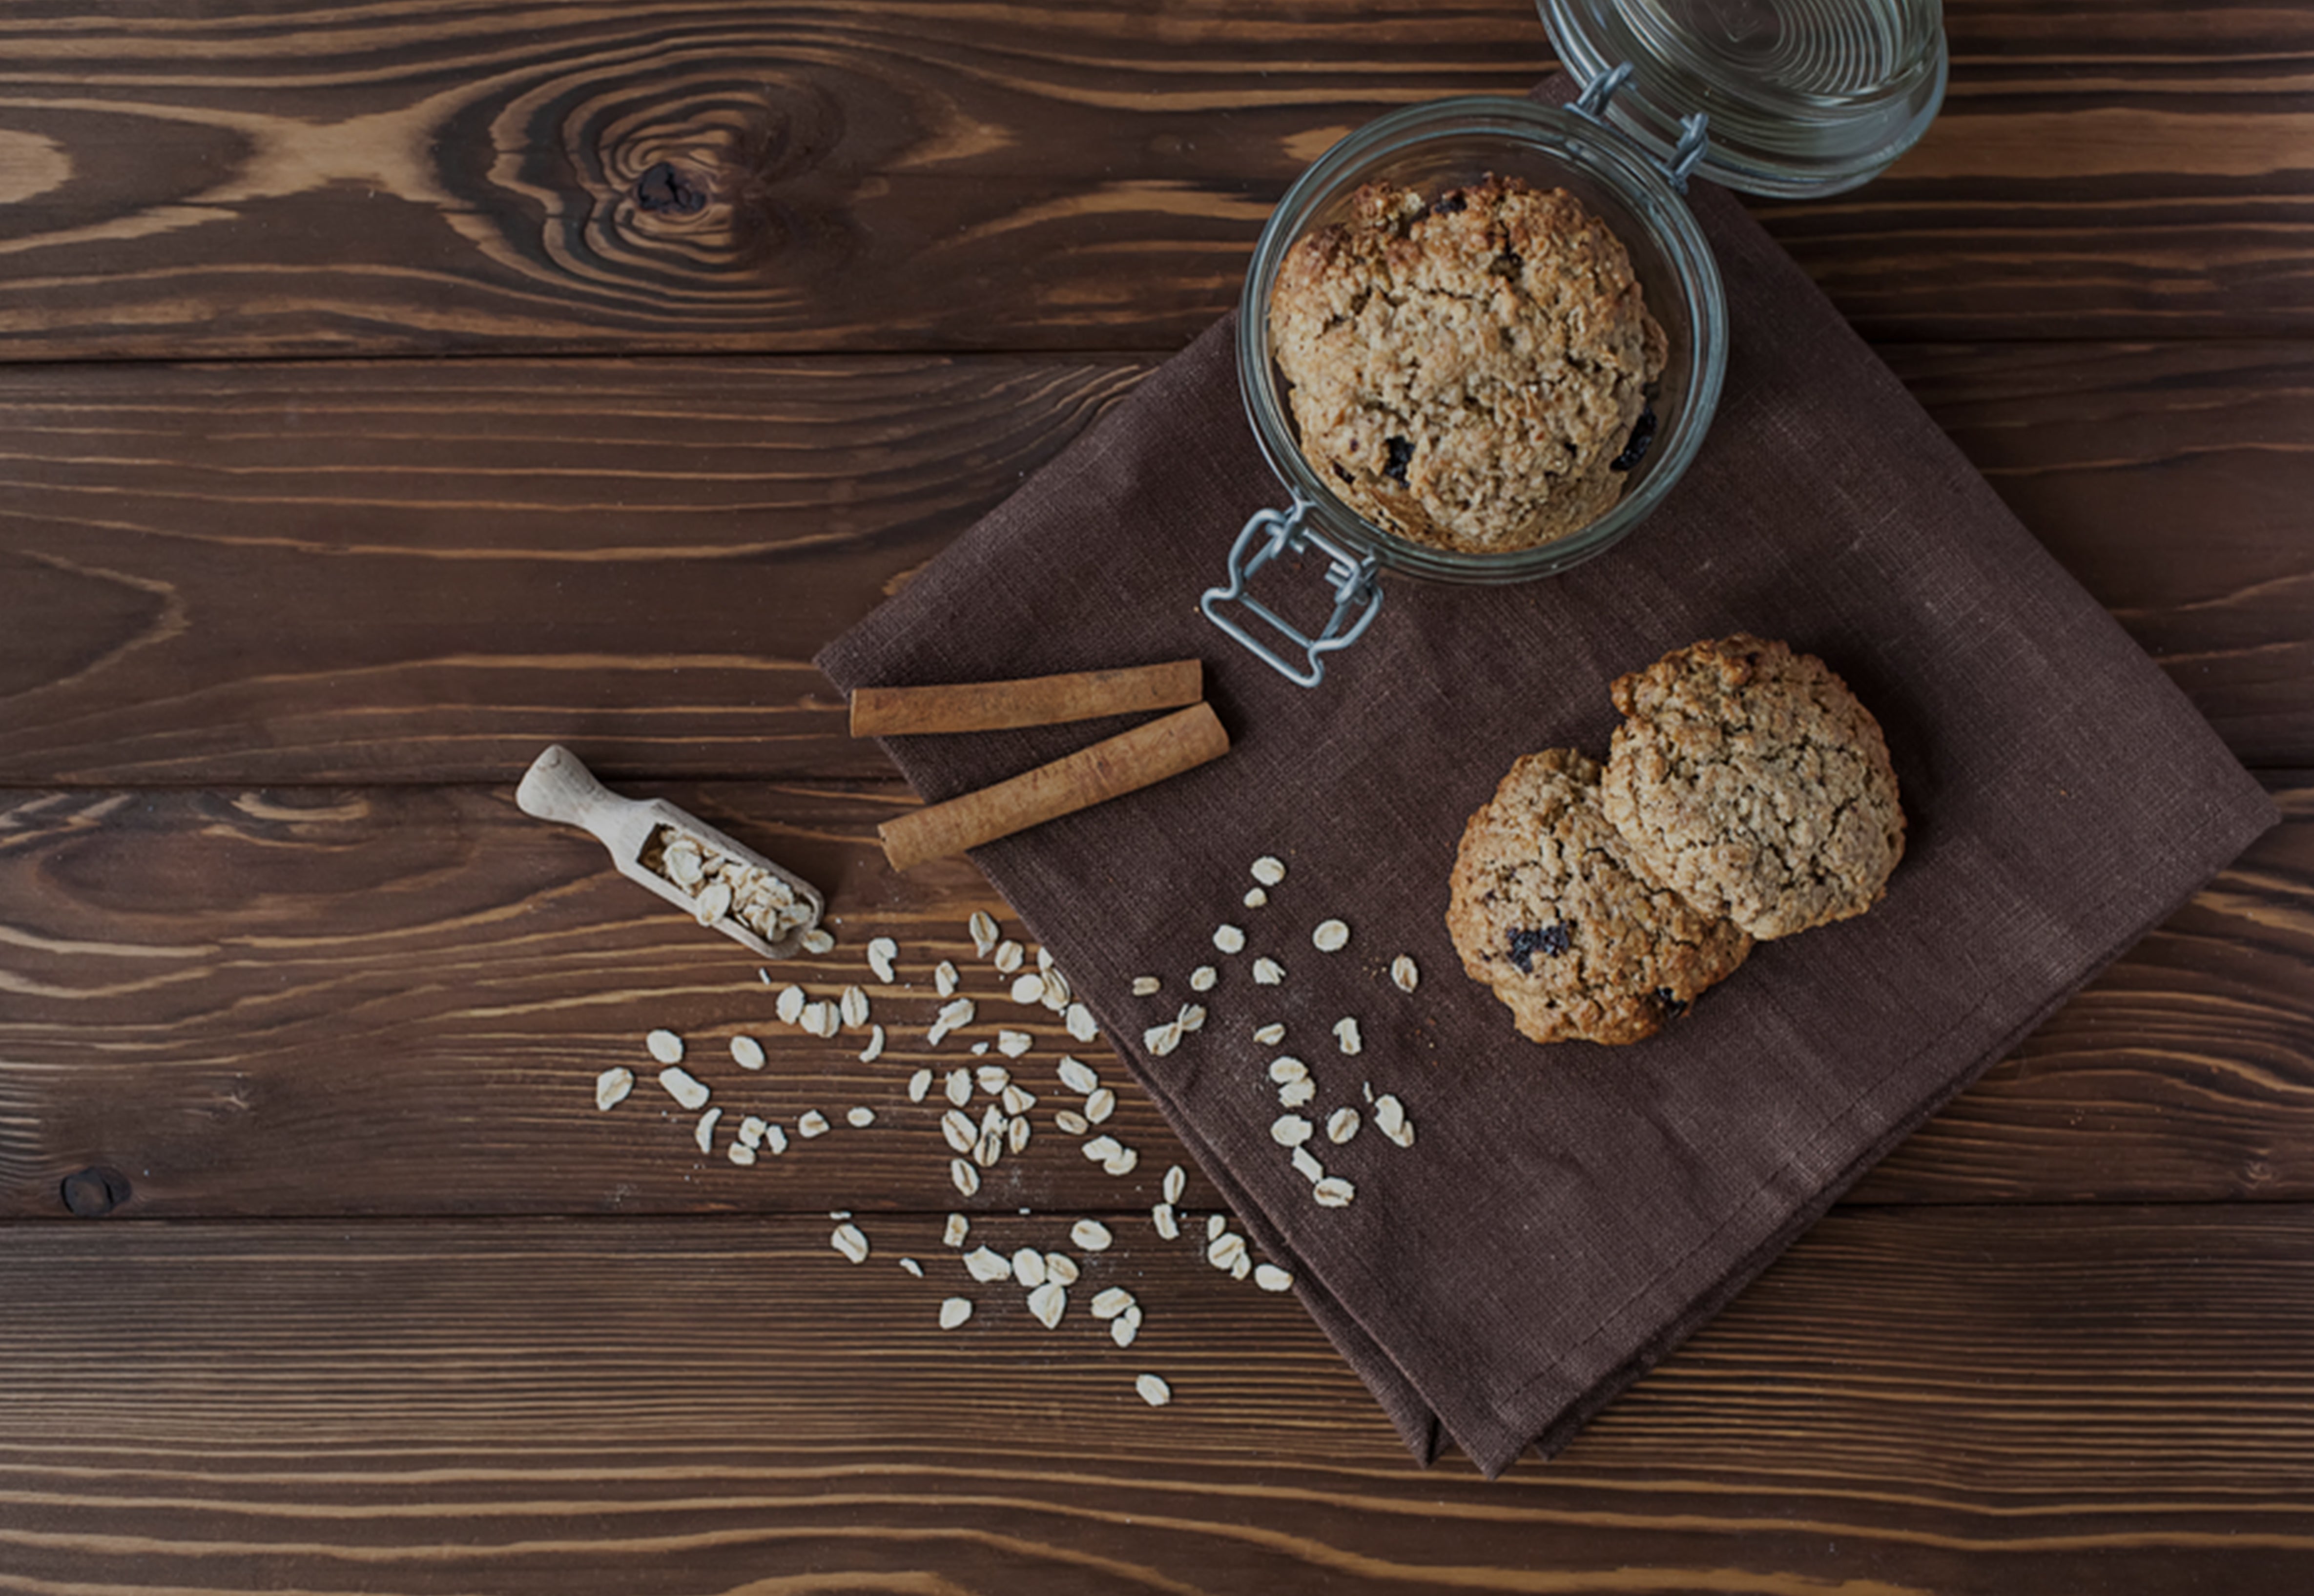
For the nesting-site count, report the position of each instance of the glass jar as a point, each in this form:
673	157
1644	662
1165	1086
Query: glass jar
1770	96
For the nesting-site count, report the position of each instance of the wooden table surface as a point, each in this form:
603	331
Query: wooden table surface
393	389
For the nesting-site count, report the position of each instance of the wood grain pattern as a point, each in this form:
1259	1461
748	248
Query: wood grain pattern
708	175
406	572
396	1000
1973	1400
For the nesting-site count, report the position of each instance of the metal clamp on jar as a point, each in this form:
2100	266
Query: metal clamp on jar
1790	98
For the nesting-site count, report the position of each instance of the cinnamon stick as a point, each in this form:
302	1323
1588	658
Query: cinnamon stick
1108	769
1033	701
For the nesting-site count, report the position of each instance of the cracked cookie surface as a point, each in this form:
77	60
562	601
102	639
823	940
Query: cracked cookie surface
1469	372
1546	908
1749	778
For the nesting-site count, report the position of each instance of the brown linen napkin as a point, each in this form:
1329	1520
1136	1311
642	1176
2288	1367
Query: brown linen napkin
1568	1214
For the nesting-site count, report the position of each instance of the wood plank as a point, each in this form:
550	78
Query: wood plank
1960	1399
716	176
404	572
397	999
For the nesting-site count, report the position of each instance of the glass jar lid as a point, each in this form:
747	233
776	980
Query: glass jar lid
1804	97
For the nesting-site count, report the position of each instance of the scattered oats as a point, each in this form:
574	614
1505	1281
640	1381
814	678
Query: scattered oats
1100	1105
1330	937
1029	989
1192	1017
1154	1390
751	1131
848	1241
1256	896
1126	1326
817	1020
912	1267
984	933
1177	1181
1270	872
1286	1068
954	1312
1291	1130
1268	971
992	1120
1367	1086
1048	1303
1009	957
1341	1126
665	1047
988	1148
746	1052
1347	1036
860	1118
1058	992
1402	971
958	1228
1124	1163
741	1154
1014	1044
789	1005
1269	1277
1203	977
966	1178
1271	1036
1242	1268
959	1086
854	1007
816	940
764	976
775	1137
1092	1235
1161	1039
811	1123
881	952
1082	1024
1225	1250
1145	986
1070	1123
704	1132
839	1213
945	978
1306	1164
1294	1094
612	1086
1101	1148
1215	1223
1077	1075
1028	1267
1229	939
875	1050
1017	1098
1168	1225
713	903
1061	1269
979	1047
1016	1134
683	1087
1111	1303
953	1015
1334	1192
1390	1118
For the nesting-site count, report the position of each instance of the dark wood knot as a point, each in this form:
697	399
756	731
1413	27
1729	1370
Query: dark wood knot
666	187
96	1191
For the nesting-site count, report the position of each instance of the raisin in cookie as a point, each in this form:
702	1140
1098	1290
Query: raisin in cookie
1546	909
1469	372
1749	780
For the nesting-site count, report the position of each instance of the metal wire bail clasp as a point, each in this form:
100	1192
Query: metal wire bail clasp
1694	131
1357	596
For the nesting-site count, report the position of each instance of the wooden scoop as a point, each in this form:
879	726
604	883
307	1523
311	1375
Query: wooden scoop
558	788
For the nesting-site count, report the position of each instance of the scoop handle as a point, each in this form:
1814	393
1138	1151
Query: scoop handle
559	788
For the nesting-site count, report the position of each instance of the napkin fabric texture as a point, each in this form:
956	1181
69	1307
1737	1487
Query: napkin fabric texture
1568	1213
